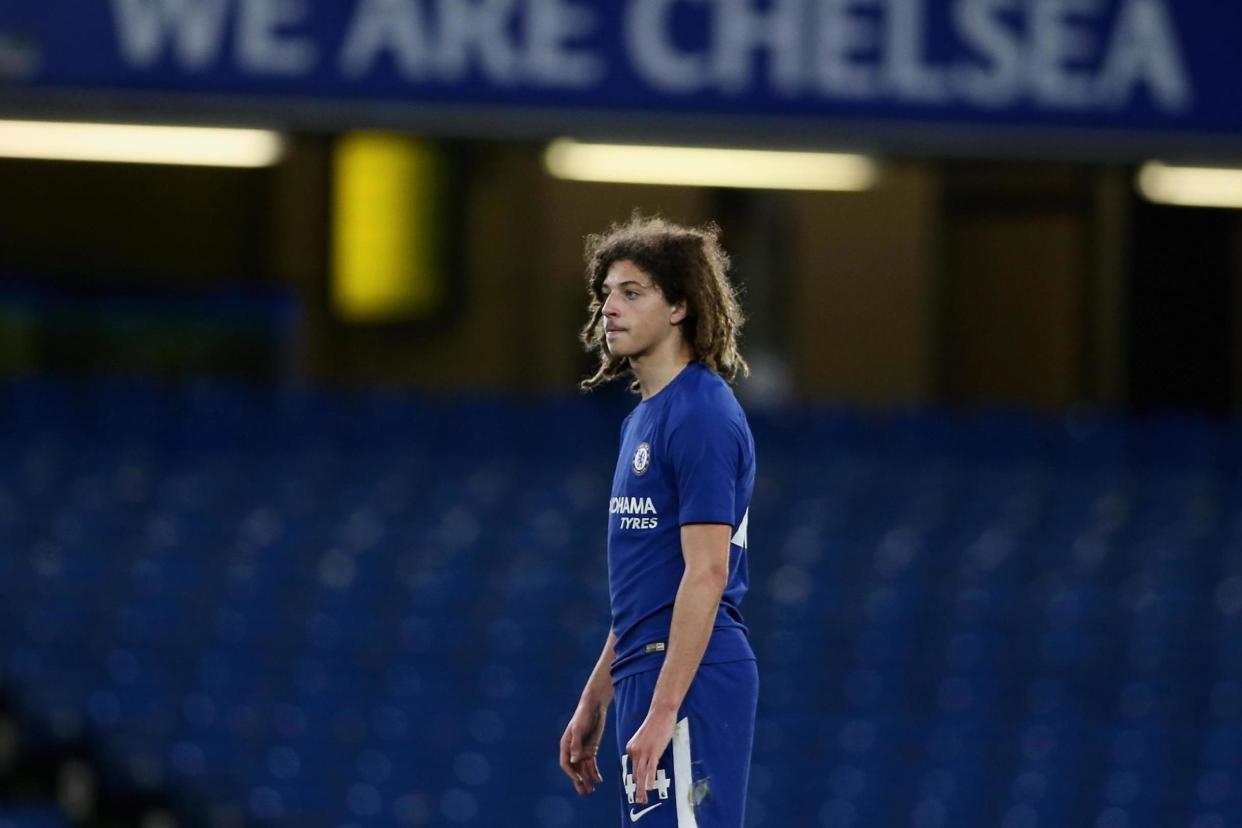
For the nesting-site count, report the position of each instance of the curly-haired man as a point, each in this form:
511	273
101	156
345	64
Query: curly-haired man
678	658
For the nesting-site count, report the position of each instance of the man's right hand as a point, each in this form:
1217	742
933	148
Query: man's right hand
580	745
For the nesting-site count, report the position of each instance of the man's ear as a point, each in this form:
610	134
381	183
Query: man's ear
679	313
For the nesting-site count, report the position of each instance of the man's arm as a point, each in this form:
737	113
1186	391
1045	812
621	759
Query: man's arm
598	689
705	547
582	736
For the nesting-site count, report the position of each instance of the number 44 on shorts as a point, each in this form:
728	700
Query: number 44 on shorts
631	787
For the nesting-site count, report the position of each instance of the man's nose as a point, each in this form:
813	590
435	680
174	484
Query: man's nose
610	309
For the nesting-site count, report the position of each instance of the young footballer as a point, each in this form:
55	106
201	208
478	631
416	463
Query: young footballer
678	659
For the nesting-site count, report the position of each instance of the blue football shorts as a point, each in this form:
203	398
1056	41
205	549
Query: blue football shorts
701	778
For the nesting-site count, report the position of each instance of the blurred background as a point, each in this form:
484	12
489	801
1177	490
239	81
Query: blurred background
302	517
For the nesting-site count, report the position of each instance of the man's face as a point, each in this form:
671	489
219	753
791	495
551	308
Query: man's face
637	318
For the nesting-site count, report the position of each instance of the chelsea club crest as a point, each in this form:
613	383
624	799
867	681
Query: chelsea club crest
642	458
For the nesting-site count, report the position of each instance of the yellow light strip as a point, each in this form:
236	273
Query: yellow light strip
384	244
140	144
704	167
1190	186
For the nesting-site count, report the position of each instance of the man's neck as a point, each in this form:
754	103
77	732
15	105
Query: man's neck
656	370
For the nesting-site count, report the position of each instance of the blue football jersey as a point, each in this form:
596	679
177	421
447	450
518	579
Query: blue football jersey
687	456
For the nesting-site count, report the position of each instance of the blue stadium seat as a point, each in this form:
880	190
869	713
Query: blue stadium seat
322	608
14	816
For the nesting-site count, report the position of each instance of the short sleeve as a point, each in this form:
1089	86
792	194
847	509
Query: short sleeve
705	449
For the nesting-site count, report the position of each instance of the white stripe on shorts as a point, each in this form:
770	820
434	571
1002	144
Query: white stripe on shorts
681	775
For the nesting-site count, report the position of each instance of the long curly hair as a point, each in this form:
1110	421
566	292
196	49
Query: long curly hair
684	263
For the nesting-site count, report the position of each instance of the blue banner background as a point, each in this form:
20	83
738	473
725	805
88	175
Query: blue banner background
63	45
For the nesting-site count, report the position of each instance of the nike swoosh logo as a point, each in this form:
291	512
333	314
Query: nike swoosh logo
635	817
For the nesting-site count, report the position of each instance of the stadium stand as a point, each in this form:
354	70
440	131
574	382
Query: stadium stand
25	817
377	608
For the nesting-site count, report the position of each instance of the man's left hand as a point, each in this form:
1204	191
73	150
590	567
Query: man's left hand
646	747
